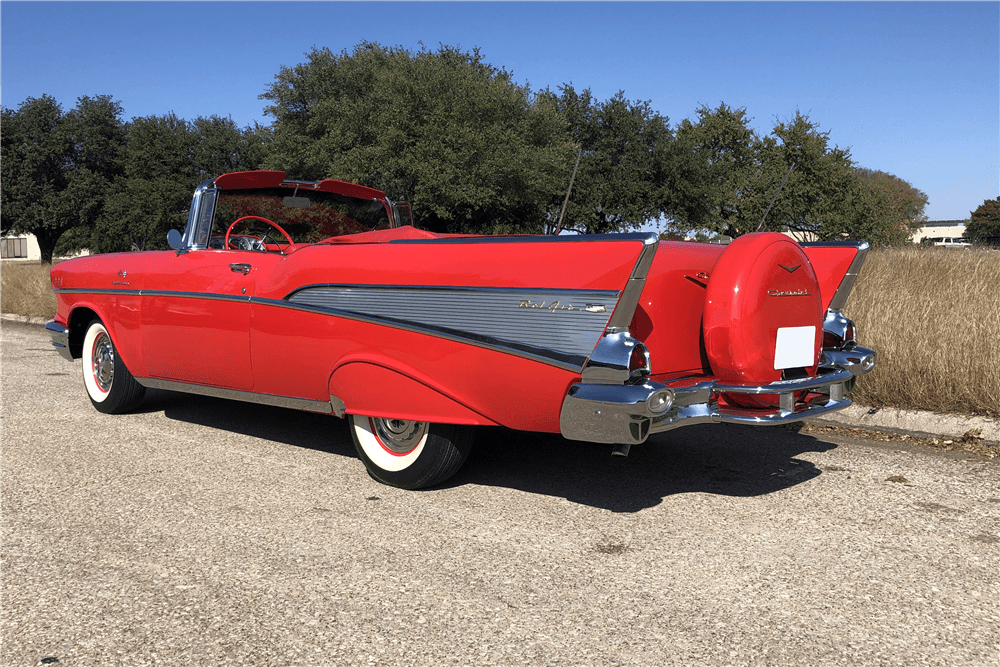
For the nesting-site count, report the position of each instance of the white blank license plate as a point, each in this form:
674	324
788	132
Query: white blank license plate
794	347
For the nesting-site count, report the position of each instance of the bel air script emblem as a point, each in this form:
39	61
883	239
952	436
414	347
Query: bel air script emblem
798	292
553	306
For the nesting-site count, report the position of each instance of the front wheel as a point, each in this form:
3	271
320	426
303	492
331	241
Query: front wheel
409	454
110	385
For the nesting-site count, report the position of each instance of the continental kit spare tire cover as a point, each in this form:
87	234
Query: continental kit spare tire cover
761	300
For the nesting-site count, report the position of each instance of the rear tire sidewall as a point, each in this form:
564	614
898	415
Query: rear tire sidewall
438	455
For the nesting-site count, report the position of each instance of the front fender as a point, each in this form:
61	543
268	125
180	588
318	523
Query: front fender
124	331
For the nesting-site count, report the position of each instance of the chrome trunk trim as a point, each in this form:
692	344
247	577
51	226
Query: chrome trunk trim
306	404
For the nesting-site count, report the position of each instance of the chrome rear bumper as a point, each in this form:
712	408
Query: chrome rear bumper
622	413
60	339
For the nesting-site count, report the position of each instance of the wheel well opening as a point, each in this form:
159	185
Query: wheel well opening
78	321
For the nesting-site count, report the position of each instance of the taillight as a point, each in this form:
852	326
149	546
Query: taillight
638	361
838	331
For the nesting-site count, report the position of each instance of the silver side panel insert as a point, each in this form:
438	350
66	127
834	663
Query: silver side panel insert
560	325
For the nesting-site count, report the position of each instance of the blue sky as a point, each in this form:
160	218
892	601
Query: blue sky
911	88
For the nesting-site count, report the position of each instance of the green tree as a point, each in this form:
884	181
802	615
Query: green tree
727	176
984	223
730	180
456	136
883	209
57	168
624	148
165	158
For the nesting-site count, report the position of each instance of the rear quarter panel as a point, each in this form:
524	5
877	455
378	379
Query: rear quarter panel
298	353
669	317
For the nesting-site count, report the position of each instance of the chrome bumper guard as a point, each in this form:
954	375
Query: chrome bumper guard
628	414
60	339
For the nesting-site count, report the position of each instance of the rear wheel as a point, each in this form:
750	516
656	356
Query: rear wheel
110	385
410	454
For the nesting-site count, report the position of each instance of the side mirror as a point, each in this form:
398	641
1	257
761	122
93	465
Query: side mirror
174	239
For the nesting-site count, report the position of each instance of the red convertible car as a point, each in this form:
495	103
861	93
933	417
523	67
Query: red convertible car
322	296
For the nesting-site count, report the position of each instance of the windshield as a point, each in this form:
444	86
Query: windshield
307	215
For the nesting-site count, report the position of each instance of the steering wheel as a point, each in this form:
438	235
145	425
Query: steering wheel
225	244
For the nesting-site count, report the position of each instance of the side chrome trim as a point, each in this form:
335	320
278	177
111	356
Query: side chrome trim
195	295
536	292
210	296
305	404
581	334
567	238
86	290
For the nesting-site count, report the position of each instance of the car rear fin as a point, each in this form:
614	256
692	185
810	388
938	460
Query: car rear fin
633	289
847	284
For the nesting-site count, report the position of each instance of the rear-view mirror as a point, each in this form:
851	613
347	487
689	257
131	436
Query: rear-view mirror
174	239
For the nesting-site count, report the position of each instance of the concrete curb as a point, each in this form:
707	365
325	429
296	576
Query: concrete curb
23	319
913	422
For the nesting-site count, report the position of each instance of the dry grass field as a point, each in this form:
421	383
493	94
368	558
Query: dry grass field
25	290
932	314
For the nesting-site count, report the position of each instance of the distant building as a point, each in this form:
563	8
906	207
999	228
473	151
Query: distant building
21	248
940	229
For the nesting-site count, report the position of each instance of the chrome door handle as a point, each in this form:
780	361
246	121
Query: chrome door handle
240	268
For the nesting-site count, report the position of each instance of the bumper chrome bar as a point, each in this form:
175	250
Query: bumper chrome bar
60	339
622	413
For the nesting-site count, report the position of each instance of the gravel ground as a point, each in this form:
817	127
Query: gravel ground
206	532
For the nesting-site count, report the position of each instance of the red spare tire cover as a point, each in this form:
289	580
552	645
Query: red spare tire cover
760	283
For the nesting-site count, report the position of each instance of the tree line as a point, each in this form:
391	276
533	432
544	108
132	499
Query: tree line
471	148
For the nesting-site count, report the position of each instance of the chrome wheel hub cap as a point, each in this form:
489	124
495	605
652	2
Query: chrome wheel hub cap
398	435
103	362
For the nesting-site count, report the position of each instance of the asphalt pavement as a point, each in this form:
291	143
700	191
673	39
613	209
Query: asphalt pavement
199	531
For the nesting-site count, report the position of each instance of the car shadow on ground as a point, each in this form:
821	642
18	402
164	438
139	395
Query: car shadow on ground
723	459
720	459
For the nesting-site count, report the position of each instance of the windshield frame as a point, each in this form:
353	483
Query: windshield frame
201	215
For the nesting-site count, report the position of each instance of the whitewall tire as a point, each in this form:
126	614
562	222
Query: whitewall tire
409	454
109	384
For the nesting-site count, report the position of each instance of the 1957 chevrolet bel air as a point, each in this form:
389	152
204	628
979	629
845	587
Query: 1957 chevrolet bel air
323	297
